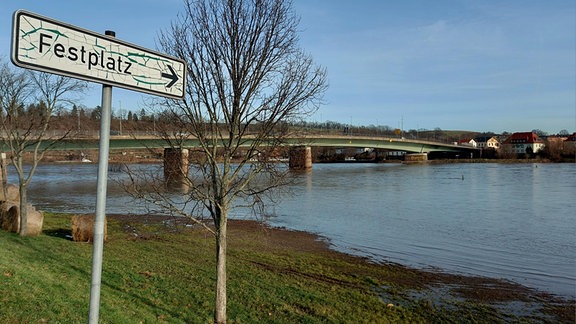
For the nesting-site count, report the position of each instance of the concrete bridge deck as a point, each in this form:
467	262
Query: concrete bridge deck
386	143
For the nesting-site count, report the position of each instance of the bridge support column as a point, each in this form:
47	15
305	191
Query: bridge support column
416	157
300	158
175	166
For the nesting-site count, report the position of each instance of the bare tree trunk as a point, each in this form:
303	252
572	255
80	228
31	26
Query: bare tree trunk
23	211
247	78
221	245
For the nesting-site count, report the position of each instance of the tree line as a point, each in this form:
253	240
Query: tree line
80	119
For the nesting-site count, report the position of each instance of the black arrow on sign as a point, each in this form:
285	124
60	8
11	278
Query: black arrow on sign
172	76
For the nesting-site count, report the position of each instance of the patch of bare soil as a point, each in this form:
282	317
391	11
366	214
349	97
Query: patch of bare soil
435	287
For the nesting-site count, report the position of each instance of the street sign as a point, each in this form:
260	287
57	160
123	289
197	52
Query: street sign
44	44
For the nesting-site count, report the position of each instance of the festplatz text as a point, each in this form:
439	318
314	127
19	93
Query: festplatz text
92	59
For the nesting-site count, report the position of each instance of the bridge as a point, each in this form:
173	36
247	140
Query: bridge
300	155
175	159
385	143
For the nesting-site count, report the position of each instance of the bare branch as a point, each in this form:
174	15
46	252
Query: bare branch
247	78
24	123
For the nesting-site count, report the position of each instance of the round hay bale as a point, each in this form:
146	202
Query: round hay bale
35	221
83	228
10	216
12	193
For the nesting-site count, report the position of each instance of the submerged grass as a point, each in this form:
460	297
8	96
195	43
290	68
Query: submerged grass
160	272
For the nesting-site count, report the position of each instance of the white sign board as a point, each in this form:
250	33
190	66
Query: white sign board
48	45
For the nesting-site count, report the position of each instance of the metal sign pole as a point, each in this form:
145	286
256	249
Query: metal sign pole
100	215
59	48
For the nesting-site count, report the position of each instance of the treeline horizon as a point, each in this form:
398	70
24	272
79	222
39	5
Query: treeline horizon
83	119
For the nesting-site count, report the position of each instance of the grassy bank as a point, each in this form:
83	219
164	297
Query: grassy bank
157	271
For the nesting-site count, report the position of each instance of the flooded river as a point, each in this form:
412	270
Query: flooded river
512	221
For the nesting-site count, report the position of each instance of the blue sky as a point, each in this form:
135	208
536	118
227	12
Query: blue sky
481	65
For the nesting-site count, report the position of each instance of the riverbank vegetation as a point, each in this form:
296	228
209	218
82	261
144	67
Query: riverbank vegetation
157	269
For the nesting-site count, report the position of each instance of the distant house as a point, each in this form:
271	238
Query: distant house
467	142
487	142
523	143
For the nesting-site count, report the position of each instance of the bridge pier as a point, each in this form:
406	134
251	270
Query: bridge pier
300	158
415	157
175	166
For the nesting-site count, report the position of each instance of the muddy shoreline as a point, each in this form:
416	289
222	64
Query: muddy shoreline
432	286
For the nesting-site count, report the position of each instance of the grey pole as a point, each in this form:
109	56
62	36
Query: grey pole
100	215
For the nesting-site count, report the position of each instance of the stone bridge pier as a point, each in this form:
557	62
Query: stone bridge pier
416	157
300	158
176	163
175	166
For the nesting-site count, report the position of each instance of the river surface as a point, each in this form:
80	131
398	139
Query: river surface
511	221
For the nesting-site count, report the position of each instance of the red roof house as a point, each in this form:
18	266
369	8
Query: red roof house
523	143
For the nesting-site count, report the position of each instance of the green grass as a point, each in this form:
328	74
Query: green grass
163	275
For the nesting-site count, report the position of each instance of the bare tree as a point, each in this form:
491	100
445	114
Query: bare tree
26	132
247	78
15	90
